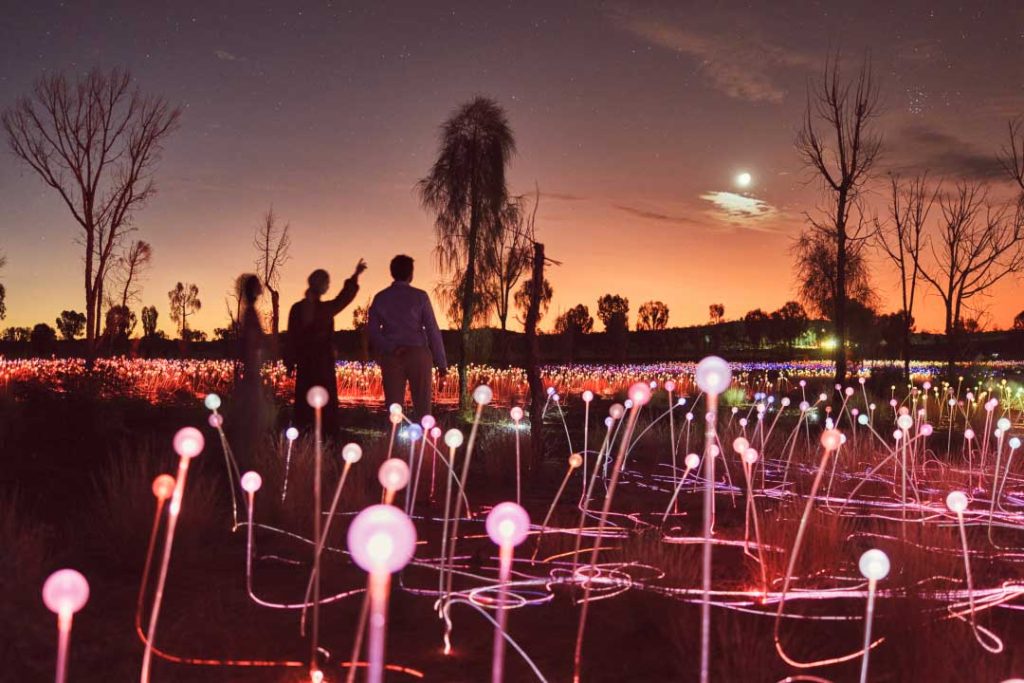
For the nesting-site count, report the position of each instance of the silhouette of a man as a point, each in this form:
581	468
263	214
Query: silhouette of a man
310	347
405	338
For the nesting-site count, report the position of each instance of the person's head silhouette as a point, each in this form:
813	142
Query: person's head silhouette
401	268
249	290
319	282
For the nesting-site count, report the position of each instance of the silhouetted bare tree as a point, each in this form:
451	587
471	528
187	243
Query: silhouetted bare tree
815	252
513	254
716	312
977	246
272	244
129	267
466	190
3	291
524	294
1012	155
838	144
184	300
902	237
96	142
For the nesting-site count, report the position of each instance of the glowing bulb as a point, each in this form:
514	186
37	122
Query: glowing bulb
453	438
640	393
507	524
874	564
575	460
482	395
291	433
393	474
905	422
616	411
968	434
414	432
516	413
926	429
750	456
188	442
382	539
1003	424
692	460
785	402
351	453
744	179
212	401
670	385
251	482
550	390
395	409
956	501
316	397
588	396
163	486
713	375
740	445
1015	443
435	433
831	439
862	419
427	422
65	592
897	435
215	420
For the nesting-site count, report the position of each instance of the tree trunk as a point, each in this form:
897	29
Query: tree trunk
840	303
275	312
533	361
906	346
468	287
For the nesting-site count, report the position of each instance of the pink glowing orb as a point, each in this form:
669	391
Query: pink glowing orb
862	380
740	445
743	420
453	438
188	442
395	418
785	402
65	592
382	539
839	387
714	451
968	434
556	398
874	565
616	411
351	453
291	433
608	422
803	383
482	395
393	474
691	461
904	410
897	434
251	482
689	417
750	456
804	406
670	386
927	386
550	390
316	397
427	422
713	375
892	402
926	429
435	433
956	501
507	524
163	486
849	391
640	393
831	439
516	413
575	460
216	420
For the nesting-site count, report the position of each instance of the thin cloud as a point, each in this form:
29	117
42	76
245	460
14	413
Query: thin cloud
225	56
919	147
564	197
741	210
653	215
738	63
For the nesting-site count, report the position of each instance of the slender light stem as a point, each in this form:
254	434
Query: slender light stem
505	569
379	586
711	419
868	617
63	642
314	639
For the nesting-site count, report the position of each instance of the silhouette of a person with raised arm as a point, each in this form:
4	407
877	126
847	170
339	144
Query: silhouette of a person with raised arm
405	338
310	345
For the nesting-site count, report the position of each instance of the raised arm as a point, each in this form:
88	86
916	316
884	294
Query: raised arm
348	291
434	338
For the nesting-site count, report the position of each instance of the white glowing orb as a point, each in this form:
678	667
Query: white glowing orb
956	501
744	179
507	524
874	564
316	397
395	409
670	386
713	375
393	474
640	393
427	422
65	592
291	433
740	445
1003	424
516	413
750	456
251	482
691	461
588	396
188	442
453	438
351	453
575	460
212	401
382	539
482	395
616	410
831	439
